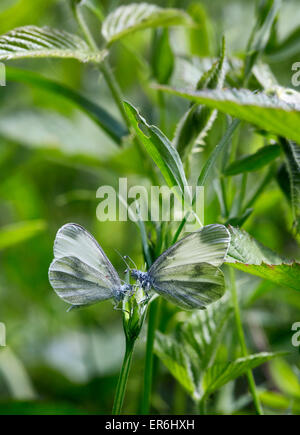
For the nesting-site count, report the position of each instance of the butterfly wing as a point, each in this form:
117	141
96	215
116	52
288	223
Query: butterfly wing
187	273
81	273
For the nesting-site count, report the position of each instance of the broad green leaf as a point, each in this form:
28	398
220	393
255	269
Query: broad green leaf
174	358
192	351
220	374
162	56
292	153
246	249
137	16
255	161
203	332
97	113
13	234
159	148
198	120
45	42
248	255
269	112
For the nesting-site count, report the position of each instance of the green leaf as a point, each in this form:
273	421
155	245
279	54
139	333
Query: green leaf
247	254
189	355
137	16
266	15
162	56
285	49
159	148
292	153
174	358
203	332
285	378
276	400
269	112
220	374
45	42
13	234
97	113
255	161
200	36
209	164
246	249
198	120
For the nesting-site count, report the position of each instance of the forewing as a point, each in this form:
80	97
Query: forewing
78	283
192	286
72	240
81	273
187	273
208	245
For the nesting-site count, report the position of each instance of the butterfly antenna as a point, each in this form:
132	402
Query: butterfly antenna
126	257
123	258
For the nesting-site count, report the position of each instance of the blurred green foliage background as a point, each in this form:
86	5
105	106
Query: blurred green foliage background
53	159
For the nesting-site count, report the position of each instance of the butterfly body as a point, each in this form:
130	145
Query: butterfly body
143	278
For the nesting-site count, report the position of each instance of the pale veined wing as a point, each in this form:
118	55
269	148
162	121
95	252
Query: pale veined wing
188	272
81	273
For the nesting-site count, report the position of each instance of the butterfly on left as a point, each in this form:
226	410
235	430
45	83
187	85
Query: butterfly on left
81	274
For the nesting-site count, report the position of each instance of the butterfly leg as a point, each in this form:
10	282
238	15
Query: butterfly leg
116	307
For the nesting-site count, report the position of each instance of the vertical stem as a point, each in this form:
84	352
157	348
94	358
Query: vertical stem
115	90
84	28
242	341
104	66
123	377
162	110
202	406
180	397
148	373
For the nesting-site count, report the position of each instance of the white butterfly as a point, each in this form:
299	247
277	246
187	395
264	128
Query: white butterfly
81	273
188	273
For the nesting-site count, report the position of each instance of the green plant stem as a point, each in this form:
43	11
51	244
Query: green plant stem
104	66
123	377
162	110
242	192
115	90
84	28
259	190
113	86
224	196
202	406
180	398
242	341
148	371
